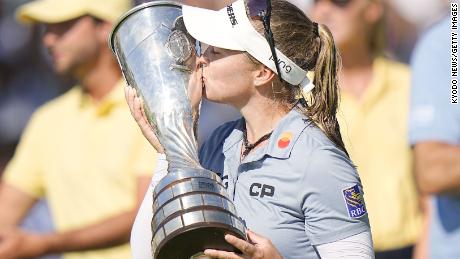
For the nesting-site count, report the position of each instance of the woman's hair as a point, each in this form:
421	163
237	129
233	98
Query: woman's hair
310	46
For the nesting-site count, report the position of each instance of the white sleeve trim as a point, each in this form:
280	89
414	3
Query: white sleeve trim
141	235
358	246
160	170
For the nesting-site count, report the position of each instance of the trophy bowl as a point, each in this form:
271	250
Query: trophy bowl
191	208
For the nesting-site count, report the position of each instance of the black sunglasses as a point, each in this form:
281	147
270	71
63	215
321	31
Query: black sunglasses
338	3
262	9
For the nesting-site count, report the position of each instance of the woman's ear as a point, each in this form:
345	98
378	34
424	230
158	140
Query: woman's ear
263	75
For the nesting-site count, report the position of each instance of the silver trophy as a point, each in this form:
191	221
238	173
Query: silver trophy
191	209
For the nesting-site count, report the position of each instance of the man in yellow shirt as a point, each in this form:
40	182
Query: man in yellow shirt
82	151
373	122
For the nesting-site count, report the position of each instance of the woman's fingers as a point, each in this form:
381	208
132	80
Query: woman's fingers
255	238
221	254
136	106
194	91
264	249
129	99
244	246
144	116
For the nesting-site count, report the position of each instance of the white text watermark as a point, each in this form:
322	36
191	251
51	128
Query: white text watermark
454	53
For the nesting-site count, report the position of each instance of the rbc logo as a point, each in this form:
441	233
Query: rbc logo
261	190
354	201
358	212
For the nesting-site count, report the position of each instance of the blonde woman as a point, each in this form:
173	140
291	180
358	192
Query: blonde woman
284	163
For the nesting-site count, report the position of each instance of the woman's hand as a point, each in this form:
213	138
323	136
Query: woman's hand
258	247
195	87
136	106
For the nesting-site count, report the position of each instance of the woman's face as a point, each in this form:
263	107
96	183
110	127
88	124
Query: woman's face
227	76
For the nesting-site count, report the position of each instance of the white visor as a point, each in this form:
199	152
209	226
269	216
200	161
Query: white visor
230	28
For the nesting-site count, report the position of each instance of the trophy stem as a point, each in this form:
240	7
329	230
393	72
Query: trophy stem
175	132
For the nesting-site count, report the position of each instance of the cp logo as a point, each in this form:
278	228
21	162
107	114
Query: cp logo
261	190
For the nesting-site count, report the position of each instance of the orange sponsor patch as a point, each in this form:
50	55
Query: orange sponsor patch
284	140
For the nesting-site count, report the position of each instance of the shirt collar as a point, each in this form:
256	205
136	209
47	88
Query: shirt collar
281	142
235	137
286	134
377	86
114	98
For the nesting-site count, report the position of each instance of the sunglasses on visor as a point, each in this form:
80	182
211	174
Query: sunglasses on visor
338	3
262	10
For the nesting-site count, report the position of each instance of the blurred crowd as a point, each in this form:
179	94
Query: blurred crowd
383	121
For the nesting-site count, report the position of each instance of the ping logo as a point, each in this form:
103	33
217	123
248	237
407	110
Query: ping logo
261	190
284	140
354	201
231	15
282	64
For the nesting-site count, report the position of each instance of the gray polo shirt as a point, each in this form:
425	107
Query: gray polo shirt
299	190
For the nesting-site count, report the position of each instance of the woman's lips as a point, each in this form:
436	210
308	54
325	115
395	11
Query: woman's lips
203	79
203	85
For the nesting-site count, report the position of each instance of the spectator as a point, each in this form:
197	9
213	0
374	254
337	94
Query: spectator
26	82
81	151
434	132
373	118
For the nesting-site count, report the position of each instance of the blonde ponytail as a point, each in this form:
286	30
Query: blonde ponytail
324	98
312	47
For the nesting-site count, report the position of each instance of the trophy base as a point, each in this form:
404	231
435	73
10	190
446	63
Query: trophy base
187	244
192	213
